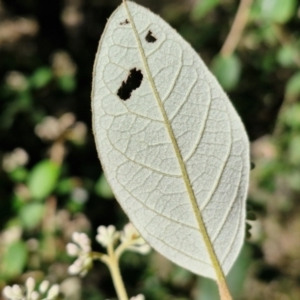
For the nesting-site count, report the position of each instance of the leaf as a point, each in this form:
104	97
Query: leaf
293	85
227	69
277	10
286	55
41	77
31	214
43	179
102	188
203	7
291	115
14	260
294	153
67	83
19	174
172	147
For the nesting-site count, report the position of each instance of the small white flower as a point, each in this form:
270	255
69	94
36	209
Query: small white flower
83	244
81	265
138	297
30	284
135	242
35	296
129	233
107	235
82	249
15	292
53	292
44	286
73	250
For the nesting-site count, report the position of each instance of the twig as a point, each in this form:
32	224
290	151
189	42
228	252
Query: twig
114	268
237	28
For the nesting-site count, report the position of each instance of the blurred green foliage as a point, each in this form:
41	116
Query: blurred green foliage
14	260
202	8
43	179
51	183
278	11
227	70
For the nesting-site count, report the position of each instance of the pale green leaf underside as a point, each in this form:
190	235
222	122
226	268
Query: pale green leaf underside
178	120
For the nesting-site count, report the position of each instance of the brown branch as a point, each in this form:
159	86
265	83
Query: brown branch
237	28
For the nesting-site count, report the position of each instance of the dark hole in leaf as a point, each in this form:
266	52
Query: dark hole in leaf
124	22
132	82
150	38
252	165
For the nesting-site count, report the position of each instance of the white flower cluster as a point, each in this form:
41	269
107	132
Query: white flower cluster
130	238
107	237
82	249
16	292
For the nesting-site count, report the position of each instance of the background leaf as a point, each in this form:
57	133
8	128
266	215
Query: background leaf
227	69
202	7
41	77
293	85
31	214
14	260
43	178
277	10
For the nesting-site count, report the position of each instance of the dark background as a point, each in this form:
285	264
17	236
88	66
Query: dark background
264	88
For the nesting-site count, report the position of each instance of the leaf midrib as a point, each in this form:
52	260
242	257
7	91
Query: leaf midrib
215	262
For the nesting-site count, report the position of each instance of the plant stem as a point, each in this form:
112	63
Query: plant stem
237	28
113	265
224	291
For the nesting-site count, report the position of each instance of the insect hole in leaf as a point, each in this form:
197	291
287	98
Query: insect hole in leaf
150	38
132	82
